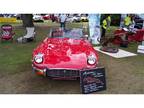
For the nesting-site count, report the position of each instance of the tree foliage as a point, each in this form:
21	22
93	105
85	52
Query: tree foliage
27	20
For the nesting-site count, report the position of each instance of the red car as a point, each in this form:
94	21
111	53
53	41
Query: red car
137	36
63	54
46	17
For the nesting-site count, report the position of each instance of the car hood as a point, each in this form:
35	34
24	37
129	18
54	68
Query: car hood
65	53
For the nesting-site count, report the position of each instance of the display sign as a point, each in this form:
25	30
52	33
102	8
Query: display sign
2	19
92	80
94	28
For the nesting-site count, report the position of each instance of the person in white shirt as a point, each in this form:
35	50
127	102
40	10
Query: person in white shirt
63	18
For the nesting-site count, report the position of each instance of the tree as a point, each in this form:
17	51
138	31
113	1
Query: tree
27	20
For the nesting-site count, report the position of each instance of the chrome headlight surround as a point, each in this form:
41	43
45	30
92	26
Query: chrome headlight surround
91	59
38	58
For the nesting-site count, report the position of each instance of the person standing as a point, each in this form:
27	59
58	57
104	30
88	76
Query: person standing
129	25
63	18
104	27
109	20
106	22
127	21
52	17
132	25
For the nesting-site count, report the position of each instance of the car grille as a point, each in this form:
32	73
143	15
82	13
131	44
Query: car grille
62	73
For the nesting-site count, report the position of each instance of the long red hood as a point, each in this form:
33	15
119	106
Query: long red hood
65	53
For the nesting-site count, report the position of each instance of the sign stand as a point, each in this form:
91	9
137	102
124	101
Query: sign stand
92	80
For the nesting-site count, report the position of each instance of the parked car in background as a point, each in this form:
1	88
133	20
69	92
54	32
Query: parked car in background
84	18
76	18
8	15
38	18
46	17
69	18
63	54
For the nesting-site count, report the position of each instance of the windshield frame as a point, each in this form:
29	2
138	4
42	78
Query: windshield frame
75	33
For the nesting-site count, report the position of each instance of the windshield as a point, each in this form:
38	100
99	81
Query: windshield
71	33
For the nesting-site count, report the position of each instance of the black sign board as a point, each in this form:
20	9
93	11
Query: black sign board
92	80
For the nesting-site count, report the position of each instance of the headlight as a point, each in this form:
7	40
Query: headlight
91	59
38	58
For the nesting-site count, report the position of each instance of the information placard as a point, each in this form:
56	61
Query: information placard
92	80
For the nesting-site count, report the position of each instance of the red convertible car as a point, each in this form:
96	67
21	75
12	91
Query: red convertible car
136	36
63	54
